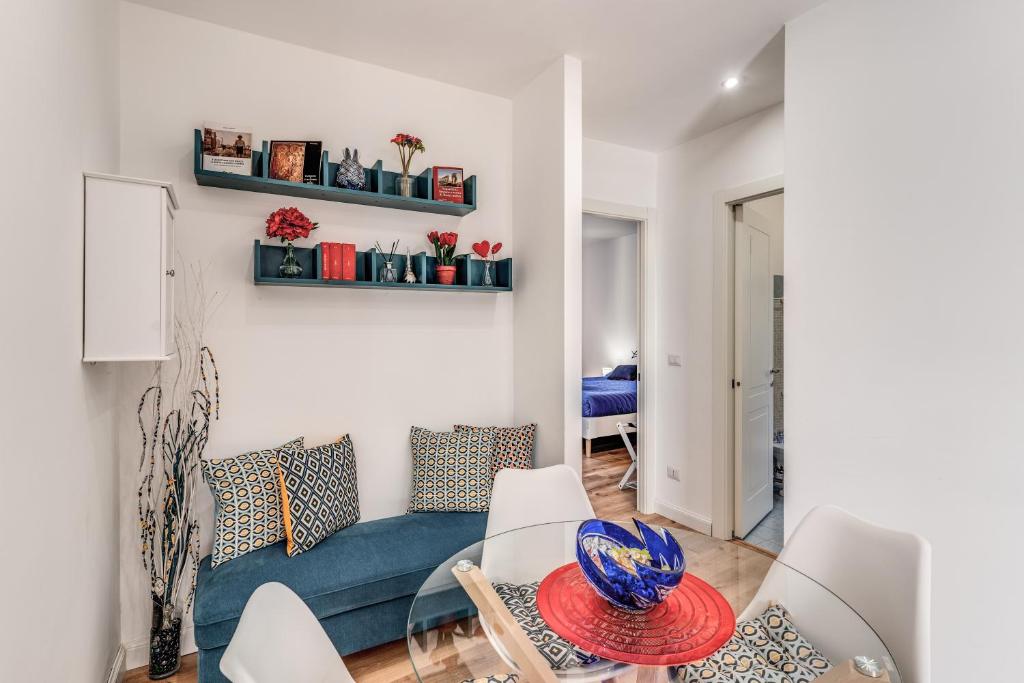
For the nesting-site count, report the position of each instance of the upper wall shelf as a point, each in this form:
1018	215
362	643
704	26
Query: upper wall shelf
380	185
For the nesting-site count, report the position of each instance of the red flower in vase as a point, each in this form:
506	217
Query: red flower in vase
289	224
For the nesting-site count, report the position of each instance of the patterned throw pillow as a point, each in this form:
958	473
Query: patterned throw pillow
319	492
511	447
765	649
451	471
245	492
522	603
495	678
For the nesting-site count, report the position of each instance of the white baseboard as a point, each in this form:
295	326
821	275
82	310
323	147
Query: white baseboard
137	651
118	668
685	517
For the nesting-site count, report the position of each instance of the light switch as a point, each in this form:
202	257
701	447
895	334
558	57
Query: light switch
673	359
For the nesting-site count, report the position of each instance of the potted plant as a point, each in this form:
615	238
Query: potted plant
486	251
289	224
444	251
408	145
174	417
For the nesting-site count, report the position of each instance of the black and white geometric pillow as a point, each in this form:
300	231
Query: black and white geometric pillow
320	493
451	471
521	601
246	495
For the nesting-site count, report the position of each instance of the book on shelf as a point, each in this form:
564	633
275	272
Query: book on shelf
336	261
297	161
448	184
348	261
325	261
227	149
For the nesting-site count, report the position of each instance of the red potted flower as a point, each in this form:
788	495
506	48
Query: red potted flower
289	224
444	251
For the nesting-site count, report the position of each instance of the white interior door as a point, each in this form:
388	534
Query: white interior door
753	391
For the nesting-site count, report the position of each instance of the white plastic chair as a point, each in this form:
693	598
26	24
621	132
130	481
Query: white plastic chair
884	575
278	640
529	501
523	498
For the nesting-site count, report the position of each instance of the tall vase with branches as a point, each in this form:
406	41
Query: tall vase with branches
174	416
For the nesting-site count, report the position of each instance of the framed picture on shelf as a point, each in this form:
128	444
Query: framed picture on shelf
227	149
297	161
448	184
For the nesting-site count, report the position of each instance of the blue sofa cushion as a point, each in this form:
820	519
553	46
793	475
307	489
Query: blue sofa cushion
364	564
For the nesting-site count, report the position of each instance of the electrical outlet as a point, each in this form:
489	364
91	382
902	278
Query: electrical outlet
673	473
673	359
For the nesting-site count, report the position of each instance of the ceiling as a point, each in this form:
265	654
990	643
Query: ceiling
652	69
599	228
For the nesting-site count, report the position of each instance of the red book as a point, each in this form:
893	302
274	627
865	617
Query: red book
448	184
335	261
348	261
325	261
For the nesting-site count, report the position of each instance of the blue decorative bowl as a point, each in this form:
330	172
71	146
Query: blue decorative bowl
628	583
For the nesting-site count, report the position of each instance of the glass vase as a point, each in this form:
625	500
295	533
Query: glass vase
388	273
290	266
403	186
488	282
164	641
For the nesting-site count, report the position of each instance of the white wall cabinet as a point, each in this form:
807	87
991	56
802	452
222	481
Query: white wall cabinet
129	269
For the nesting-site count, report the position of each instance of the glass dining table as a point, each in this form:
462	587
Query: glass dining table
458	628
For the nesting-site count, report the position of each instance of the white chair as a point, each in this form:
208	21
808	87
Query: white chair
884	575
532	498
278	640
523	498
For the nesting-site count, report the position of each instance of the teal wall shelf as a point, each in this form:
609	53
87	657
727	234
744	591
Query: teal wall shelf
469	272
380	185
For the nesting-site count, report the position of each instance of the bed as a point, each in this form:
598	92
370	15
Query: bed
606	403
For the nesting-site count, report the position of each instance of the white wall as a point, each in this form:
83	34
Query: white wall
609	301
308	360
59	620
617	174
548	218
688	176
904	330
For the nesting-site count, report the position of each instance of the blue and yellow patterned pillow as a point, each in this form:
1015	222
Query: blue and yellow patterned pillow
451	471
248	502
511	447
320	492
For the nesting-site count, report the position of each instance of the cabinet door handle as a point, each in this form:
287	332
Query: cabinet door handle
170	272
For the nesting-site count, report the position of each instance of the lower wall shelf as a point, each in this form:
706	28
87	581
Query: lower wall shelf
469	273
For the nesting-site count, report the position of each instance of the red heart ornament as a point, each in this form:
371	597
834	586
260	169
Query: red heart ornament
496	248
482	249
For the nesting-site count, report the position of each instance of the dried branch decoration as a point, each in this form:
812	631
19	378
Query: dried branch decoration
172	447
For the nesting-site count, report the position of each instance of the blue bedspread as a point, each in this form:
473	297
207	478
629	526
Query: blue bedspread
603	396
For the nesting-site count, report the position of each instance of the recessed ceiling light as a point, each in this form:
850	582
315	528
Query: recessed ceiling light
730	83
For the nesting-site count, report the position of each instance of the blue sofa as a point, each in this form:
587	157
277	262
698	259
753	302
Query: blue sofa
359	583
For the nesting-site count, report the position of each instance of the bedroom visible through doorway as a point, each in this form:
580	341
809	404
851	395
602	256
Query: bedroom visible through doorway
611	348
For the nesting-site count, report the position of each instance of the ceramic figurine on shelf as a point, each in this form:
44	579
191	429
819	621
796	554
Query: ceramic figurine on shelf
350	172
409	276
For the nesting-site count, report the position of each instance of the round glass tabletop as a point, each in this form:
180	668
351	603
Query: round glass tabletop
450	639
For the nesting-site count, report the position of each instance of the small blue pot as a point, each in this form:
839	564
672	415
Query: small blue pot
645	586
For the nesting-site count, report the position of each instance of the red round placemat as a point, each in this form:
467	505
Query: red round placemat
691	624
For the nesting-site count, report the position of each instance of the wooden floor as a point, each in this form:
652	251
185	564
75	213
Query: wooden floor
711	560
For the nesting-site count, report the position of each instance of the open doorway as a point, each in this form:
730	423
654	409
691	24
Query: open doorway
611	357
759	429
